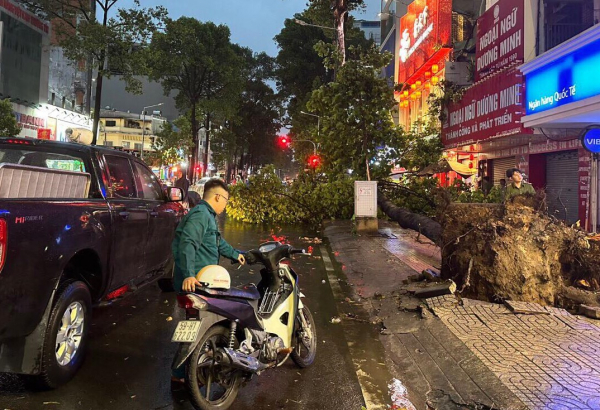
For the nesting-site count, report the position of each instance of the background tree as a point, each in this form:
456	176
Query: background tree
300	69
199	61
340	9
247	139
112	42
172	143
357	131
8	122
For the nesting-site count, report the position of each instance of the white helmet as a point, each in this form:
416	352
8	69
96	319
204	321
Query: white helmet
214	277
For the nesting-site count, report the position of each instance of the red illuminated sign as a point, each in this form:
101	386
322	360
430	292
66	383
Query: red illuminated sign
501	37
424	29
489	109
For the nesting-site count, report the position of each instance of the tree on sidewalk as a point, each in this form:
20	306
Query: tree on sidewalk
199	61
112	42
357	131
8	123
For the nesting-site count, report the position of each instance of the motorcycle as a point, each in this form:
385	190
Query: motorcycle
232	334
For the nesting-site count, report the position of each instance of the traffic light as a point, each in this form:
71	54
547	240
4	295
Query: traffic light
284	141
314	161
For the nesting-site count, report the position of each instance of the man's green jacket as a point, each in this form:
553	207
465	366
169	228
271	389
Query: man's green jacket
512	190
198	243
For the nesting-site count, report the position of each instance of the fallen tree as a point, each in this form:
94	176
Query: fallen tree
410	220
517	251
510	251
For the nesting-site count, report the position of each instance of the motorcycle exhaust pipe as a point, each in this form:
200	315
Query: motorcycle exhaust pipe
240	361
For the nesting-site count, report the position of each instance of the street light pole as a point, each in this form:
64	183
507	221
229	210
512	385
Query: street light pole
335	37
318	122
312	142
144	126
304	23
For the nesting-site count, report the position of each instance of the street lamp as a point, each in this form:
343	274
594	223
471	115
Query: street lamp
304	23
318	122
144	126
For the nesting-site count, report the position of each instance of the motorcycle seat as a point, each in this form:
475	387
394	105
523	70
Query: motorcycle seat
249	292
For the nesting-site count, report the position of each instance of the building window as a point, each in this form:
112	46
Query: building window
460	28
137	147
126	144
111	123
108	143
565	20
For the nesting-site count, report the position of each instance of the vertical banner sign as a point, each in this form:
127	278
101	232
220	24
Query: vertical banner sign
584	185
489	109
426	26
501	37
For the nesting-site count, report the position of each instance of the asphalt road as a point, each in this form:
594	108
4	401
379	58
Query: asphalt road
129	357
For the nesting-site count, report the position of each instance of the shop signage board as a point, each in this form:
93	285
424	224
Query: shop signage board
489	109
501	37
30	120
426	26
591	140
569	79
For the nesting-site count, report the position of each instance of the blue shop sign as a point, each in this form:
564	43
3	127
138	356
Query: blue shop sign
591	140
571	78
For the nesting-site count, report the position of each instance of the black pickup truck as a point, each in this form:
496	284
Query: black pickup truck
79	226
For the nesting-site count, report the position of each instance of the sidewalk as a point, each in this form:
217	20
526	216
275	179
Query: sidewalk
472	356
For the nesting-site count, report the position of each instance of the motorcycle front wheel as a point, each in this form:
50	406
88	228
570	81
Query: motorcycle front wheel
306	340
210	385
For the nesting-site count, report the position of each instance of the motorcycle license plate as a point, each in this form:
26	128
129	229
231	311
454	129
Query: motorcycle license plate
186	331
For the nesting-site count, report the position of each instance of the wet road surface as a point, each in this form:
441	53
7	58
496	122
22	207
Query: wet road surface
130	353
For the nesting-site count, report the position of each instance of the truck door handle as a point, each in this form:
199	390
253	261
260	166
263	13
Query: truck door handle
124	214
154	214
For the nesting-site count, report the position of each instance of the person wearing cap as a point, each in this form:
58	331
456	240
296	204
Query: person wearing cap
516	186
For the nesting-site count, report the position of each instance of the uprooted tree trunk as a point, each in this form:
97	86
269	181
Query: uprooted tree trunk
409	220
517	251
512	251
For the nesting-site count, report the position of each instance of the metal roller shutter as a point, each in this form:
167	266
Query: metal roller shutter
562	185
500	166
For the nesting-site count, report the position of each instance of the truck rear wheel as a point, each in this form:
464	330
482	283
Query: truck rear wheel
66	337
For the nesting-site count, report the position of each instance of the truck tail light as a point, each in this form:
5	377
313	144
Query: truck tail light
3	241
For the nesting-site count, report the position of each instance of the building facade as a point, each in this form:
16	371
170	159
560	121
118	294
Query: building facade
526	108
372	30
128	131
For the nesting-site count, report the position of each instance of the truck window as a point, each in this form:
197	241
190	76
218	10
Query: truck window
41	159
147	180
121	180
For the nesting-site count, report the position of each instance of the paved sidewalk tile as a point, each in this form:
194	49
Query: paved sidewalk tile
549	360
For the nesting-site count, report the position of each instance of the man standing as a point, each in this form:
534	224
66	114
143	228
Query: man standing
183	183
517	186
198	242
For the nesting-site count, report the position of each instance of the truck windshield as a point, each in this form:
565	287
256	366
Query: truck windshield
20	155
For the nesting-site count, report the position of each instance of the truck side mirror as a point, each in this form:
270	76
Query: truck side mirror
175	194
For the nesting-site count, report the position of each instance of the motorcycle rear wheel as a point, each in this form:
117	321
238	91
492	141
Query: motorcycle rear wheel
305	350
211	386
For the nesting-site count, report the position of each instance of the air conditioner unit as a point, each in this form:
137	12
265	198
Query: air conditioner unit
457	72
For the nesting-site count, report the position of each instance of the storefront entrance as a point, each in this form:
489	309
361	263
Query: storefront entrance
562	185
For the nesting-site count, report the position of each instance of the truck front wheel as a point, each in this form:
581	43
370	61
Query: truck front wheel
66	336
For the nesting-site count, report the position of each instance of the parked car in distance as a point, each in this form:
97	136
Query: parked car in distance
198	187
